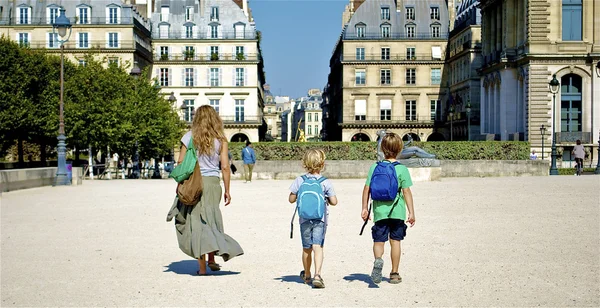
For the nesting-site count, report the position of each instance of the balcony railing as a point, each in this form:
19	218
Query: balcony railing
72	44
241	120
14	21
392	57
351	35
392	120
206	57
197	35
572	137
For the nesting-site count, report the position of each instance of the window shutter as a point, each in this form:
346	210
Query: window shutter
118	15
208	76
158	75
195	77
195	31
107	15
220	77
208	54
245	77
29	16
77	16
76	40
170	77
234	73
107	35
183	76
48	40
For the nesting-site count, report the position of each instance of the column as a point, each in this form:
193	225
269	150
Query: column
482	108
499	31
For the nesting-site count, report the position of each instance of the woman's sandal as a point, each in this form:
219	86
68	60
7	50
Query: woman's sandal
318	282
395	278
306	279
214	266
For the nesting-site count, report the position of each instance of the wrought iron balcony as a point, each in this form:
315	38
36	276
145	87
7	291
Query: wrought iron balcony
76	21
572	137
198	35
389	120
378	57
72	44
352	35
206	57
229	120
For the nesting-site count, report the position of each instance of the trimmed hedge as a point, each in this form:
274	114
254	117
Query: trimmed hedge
571	171
456	150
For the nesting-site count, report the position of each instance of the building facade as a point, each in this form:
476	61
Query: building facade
112	31
386	71
208	53
525	43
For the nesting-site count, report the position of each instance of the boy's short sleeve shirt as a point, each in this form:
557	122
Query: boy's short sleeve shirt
381	209
326	186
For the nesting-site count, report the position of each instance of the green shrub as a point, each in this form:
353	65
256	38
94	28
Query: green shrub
457	150
571	171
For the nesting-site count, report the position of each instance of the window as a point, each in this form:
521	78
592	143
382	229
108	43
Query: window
239	110
269	110
189	77
361	77
164	52
214	13
410	13
214	77
385	76
164	13
360	31
23	39
435	31
214	31
360	110
83	40
214	52
411	110
189	13
189	109
436	76
411	53
570	106
164	77
571	20
24	15
52	14
189	52
317	132
113	15
214	103
434	13
113	62
189	31
113	40
309	117
385	13
84	15
435	107
385	53
385	31
360	53
410	31
309	128
385	109
164	31
239	31
316	118
411	76
239	77
53	40
82	62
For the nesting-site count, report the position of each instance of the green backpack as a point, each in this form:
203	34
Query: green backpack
183	171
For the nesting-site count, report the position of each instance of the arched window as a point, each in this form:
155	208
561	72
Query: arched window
570	103
571	20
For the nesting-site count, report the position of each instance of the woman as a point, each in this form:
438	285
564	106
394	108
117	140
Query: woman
579	153
202	230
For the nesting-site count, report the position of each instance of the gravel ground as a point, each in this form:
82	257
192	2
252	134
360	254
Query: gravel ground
514	241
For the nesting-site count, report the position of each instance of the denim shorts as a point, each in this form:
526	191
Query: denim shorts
313	233
394	229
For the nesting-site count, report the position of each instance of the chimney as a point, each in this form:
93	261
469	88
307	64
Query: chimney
239	3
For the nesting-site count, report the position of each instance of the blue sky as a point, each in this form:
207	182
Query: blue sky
298	37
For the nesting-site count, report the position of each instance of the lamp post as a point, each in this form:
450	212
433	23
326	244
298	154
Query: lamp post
135	73
451	120
554	85
597	171
59	28
468	119
156	174
543	132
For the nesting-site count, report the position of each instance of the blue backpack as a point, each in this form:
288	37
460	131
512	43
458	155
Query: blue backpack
311	198
384	182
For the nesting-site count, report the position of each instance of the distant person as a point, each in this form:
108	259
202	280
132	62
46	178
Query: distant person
312	228
249	158
579	153
533	155
389	206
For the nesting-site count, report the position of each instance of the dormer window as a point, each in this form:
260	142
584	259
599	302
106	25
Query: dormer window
214	13
164	13
214	31
113	15
83	15
385	30
24	15
189	31
435	13
189	13
51	14
239	29
410	31
385	13
435	31
410	13
360	30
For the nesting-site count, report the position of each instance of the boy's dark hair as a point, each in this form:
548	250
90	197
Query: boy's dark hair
391	145
248	142
578	142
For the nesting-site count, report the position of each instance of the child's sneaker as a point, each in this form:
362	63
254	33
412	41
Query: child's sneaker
377	268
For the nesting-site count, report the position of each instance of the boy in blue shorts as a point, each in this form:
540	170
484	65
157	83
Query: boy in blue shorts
313	230
389	216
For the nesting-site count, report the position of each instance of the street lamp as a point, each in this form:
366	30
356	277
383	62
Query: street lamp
451	113
61	25
135	73
554	85
598	69
468	119
543	132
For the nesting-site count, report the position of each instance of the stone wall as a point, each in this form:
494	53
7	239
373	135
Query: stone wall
35	177
492	168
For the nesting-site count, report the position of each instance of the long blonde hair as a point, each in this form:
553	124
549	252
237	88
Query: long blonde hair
206	127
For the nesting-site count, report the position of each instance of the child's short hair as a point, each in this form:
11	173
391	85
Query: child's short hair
391	145
314	160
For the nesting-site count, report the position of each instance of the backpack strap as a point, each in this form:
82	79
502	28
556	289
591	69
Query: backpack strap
304	178
321	179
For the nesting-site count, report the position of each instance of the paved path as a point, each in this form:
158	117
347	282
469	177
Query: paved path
478	242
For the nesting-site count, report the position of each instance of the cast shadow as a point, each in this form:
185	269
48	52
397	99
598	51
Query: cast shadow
362	277
290	278
189	267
